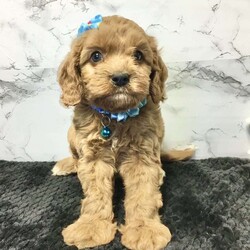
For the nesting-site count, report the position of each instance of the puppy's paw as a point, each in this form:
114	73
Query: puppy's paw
87	232
145	235
65	167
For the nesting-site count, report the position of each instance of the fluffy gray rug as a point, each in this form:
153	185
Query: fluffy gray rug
206	205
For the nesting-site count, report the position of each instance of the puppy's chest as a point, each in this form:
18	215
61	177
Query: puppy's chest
124	135
114	144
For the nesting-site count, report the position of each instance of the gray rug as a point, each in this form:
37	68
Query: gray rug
206	205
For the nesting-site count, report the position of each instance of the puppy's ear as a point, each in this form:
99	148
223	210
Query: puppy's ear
69	76
158	75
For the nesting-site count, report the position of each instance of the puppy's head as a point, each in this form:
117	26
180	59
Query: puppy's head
113	67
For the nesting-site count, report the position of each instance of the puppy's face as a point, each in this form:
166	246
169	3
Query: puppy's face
115	66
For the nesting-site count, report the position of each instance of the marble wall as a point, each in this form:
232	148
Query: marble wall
206	45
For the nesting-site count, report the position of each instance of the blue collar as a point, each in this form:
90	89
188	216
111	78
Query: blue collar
122	116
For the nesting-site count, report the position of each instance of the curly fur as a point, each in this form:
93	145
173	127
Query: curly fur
135	145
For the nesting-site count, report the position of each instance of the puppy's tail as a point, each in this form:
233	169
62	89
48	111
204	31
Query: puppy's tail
177	155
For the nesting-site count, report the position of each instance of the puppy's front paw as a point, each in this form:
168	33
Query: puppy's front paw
87	232
145	235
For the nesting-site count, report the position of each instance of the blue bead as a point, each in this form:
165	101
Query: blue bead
105	132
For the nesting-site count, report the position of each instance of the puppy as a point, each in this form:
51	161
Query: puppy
115	78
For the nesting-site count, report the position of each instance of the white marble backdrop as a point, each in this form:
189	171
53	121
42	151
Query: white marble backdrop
206	45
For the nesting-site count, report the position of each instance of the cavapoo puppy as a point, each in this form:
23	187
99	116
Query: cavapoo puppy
115	78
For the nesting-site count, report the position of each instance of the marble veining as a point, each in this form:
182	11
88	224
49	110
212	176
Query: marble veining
204	44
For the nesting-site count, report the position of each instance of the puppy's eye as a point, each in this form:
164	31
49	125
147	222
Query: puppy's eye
96	56
138	55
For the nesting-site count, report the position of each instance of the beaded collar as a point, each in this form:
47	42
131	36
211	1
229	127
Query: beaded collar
119	117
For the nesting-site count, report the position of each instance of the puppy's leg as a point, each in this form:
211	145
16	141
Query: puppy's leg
143	229
68	165
65	166
95	225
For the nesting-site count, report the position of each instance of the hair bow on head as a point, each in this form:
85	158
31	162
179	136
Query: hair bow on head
92	24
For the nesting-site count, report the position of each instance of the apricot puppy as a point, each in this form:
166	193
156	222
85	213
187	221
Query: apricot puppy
115	77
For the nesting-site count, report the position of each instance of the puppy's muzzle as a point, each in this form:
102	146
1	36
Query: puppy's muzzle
120	79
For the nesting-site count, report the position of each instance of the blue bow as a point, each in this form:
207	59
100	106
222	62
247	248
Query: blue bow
92	24
122	116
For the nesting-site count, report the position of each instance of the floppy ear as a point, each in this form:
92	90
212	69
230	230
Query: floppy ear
69	77
158	75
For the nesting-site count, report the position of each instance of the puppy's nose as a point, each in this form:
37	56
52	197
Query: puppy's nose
120	79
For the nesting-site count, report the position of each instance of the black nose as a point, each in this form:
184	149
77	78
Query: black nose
120	79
